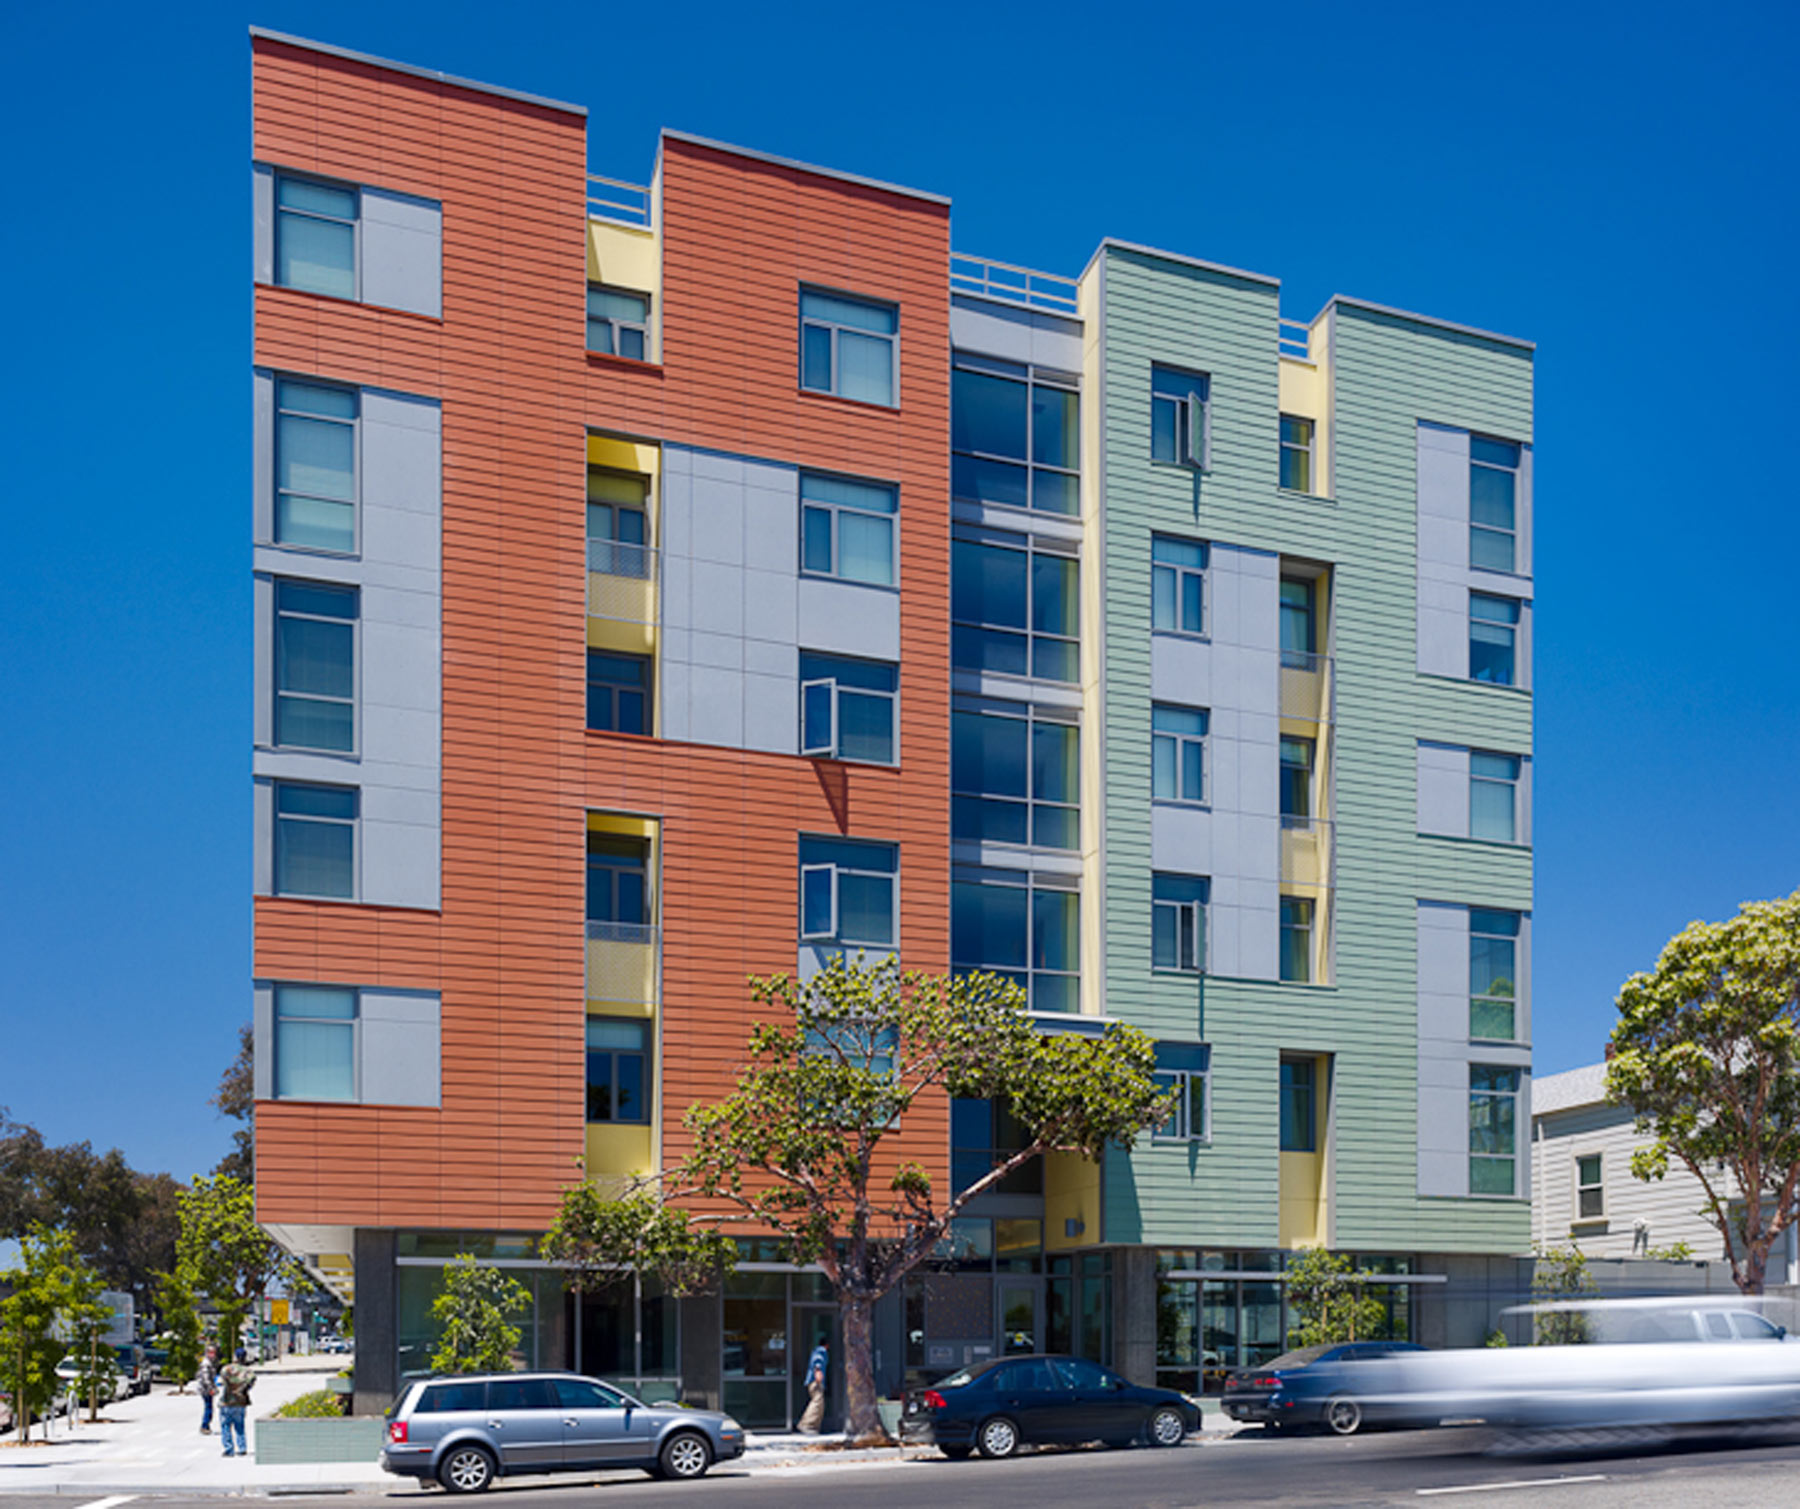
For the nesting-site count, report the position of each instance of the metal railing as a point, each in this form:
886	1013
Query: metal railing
622	581
615	199
1308	687
622	558
621	932
1294	338
1308	856
1017	285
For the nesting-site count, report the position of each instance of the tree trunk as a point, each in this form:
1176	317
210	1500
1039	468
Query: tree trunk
862	1418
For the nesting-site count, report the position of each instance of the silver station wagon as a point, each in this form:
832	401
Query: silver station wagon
464	1432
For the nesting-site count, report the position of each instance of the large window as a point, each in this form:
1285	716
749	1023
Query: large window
1177	753
1180	417
315	666
1014	435
847	708
315	236
1296	782
616	1081
315	841
982	1134
1015	608
618	523
1493	505
1177	586
1299	622
618	696
1493	638
1185	1070
1015	776
617	321
847	528
1493	1129
1022	926
1296	453
1178	922
315	466
847	347
849	893
315	1043
1493	796
1299	1105
1296	940
618	879
1493	974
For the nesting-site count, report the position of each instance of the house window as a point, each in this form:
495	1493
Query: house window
618	882
1296	453
1177	586
1493	1129
847	528
1185	1070
1178	923
618	523
1015	776
1493	638
1493	796
1493	974
849	893
1493	508
315	841
618	692
1590	1193
1177	753
1299	636
315	1043
847	347
617	322
1025	927
847	708
315	666
1014	608
1299	1105
315	236
1014	435
1296	940
615	1069
1180	417
1296	782
315	466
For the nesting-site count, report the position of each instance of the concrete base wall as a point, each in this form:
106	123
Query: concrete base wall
377	1323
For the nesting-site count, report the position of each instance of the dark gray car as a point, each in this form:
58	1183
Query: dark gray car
464	1432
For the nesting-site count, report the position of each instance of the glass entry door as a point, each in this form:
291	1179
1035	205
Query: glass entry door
1021	1315
814	1324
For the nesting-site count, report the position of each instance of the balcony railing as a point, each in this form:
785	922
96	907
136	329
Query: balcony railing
1308	687
621	932
1308	855
615	199
1017	285
622	581
621	962
1294	338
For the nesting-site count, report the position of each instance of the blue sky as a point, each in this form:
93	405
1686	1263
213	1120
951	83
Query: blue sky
1615	182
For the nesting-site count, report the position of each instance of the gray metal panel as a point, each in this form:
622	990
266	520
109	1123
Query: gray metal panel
1443	790
262	455
402	455
1523	518
772	713
400	1047
262	711
1443	628
716	706
262	1036
262	223
1181	670
844	619
262	838
1015	334
402	252
1522	810
676	697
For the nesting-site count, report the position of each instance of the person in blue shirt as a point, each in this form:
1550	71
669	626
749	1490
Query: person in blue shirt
818	1367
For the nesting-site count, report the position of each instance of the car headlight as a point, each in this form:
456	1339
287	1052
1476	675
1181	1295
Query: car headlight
728	1424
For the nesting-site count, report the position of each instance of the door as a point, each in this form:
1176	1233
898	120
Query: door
815	1325
594	1422
1021	1316
525	1423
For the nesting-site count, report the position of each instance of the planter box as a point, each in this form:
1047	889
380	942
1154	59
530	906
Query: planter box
889	1410
285	1442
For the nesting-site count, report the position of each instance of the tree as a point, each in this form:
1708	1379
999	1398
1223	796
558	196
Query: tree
1328	1300
179	1305
96	1364
46	1293
471	1309
1560	1276
236	1098
600	1241
1707	1055
802	1146
229	1258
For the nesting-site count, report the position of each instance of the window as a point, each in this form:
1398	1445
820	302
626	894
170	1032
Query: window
315	466
618	880
847	708
1299	638
1493	974
615	1069
1177	586
520	1394
1296	782
1296	453
315	666
1023	926
1014	435
1180	417
849	892
315	841
451	1398
847	528
1299	1105
1296	940
1014	608
1590	1193
315	1043
1186	1070
1178	922
1493	638
617	322
984	1133
1493	1129
847	347
1493	796
315	236
1177	753
618	698
1493	493
1015	776
618	523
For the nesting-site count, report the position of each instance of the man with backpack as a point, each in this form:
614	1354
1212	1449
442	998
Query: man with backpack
235	1383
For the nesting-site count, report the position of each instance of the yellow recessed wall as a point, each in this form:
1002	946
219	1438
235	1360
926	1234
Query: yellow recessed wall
1306	392
1071	1192
1305	1217
628	626
628	257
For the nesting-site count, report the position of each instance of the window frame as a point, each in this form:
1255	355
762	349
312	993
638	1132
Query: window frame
642	869
1512	627
1516	471
834	511
355	224
277	492
638	555
1306	659
642	1053
1187	414
1496	1095
1180	573
353	700
1307	1087
1032	716
835	871
278	843
615	688
1181	741
1030	377
1511	783
835	689
835	329
1308	453
1182	1078
1030	882
1296	822
352	1025
1584	1188
615	325
1515	938
1030	547
1305	929
1191	908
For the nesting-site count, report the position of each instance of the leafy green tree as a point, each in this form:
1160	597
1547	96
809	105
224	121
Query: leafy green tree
96	1364
1706	1053
1560	1276
180	1308
471	1309
601	1241
45	1295
1328	1300
230	1259
236	1098
802	1146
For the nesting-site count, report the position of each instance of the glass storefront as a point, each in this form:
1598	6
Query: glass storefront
417	1282
772	1321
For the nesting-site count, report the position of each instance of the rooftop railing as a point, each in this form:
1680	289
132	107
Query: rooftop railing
615	199
1294	338
1017	285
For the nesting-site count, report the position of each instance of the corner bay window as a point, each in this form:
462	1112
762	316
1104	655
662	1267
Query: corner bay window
1014	607
1180	417
1177	586
1493	492
1493	1129
315	1043
616	1050
1014	775
847	708
315	666
617	322
1023	926
315	236
1185	1069
1493	974
1014	435
849	893
315	466
315	841
847	528
847	347
1178	922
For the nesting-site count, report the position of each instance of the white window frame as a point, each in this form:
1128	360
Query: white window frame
355	224
353	700
276	491
1190	960
1192	420
836	511
1180	741
1181	1082
1513	783
353	1023
1517	470
353	823
642	327
1309	450
829	749
837	873
1510	1158
1517	940
1511	628
1030	882
1598	1188
1180	573
835	330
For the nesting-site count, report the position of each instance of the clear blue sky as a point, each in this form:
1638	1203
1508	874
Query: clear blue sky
1616	182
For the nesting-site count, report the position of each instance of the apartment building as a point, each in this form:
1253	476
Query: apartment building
659	585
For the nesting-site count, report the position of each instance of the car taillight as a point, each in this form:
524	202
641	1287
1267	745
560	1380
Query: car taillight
933	1399
1267	1381
397	1432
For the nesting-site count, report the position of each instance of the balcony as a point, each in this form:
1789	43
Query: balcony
1308	687
1016	285
615	199
622	581
1308	862
622	963
1294	338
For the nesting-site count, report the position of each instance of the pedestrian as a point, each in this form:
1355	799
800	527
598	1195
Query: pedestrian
234	1398
818	1368
207	1381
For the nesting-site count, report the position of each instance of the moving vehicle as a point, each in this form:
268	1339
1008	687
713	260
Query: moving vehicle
464	1432
1325	1385
996	1407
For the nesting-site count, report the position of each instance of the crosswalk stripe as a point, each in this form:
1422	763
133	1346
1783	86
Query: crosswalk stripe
110	1503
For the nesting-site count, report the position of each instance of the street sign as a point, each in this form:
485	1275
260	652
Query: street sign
278	1312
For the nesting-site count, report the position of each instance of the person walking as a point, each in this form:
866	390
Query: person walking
234	1398
818	1369
207	1381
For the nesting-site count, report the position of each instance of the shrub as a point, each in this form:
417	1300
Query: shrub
320	1404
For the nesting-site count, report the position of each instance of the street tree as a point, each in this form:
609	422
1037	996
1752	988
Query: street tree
44	1297
229	1258
1560	1277
1706	1053
803	1147
1329	1300
180	1309
236	1098
473	1309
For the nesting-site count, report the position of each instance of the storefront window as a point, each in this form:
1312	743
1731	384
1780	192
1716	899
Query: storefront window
755	1360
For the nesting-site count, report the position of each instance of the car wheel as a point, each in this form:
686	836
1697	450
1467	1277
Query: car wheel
466	1469
1343	1415
1167	1428
684	1456
956	1453
998	1437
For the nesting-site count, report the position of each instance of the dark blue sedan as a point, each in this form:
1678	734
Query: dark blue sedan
1325	1386
999	1406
